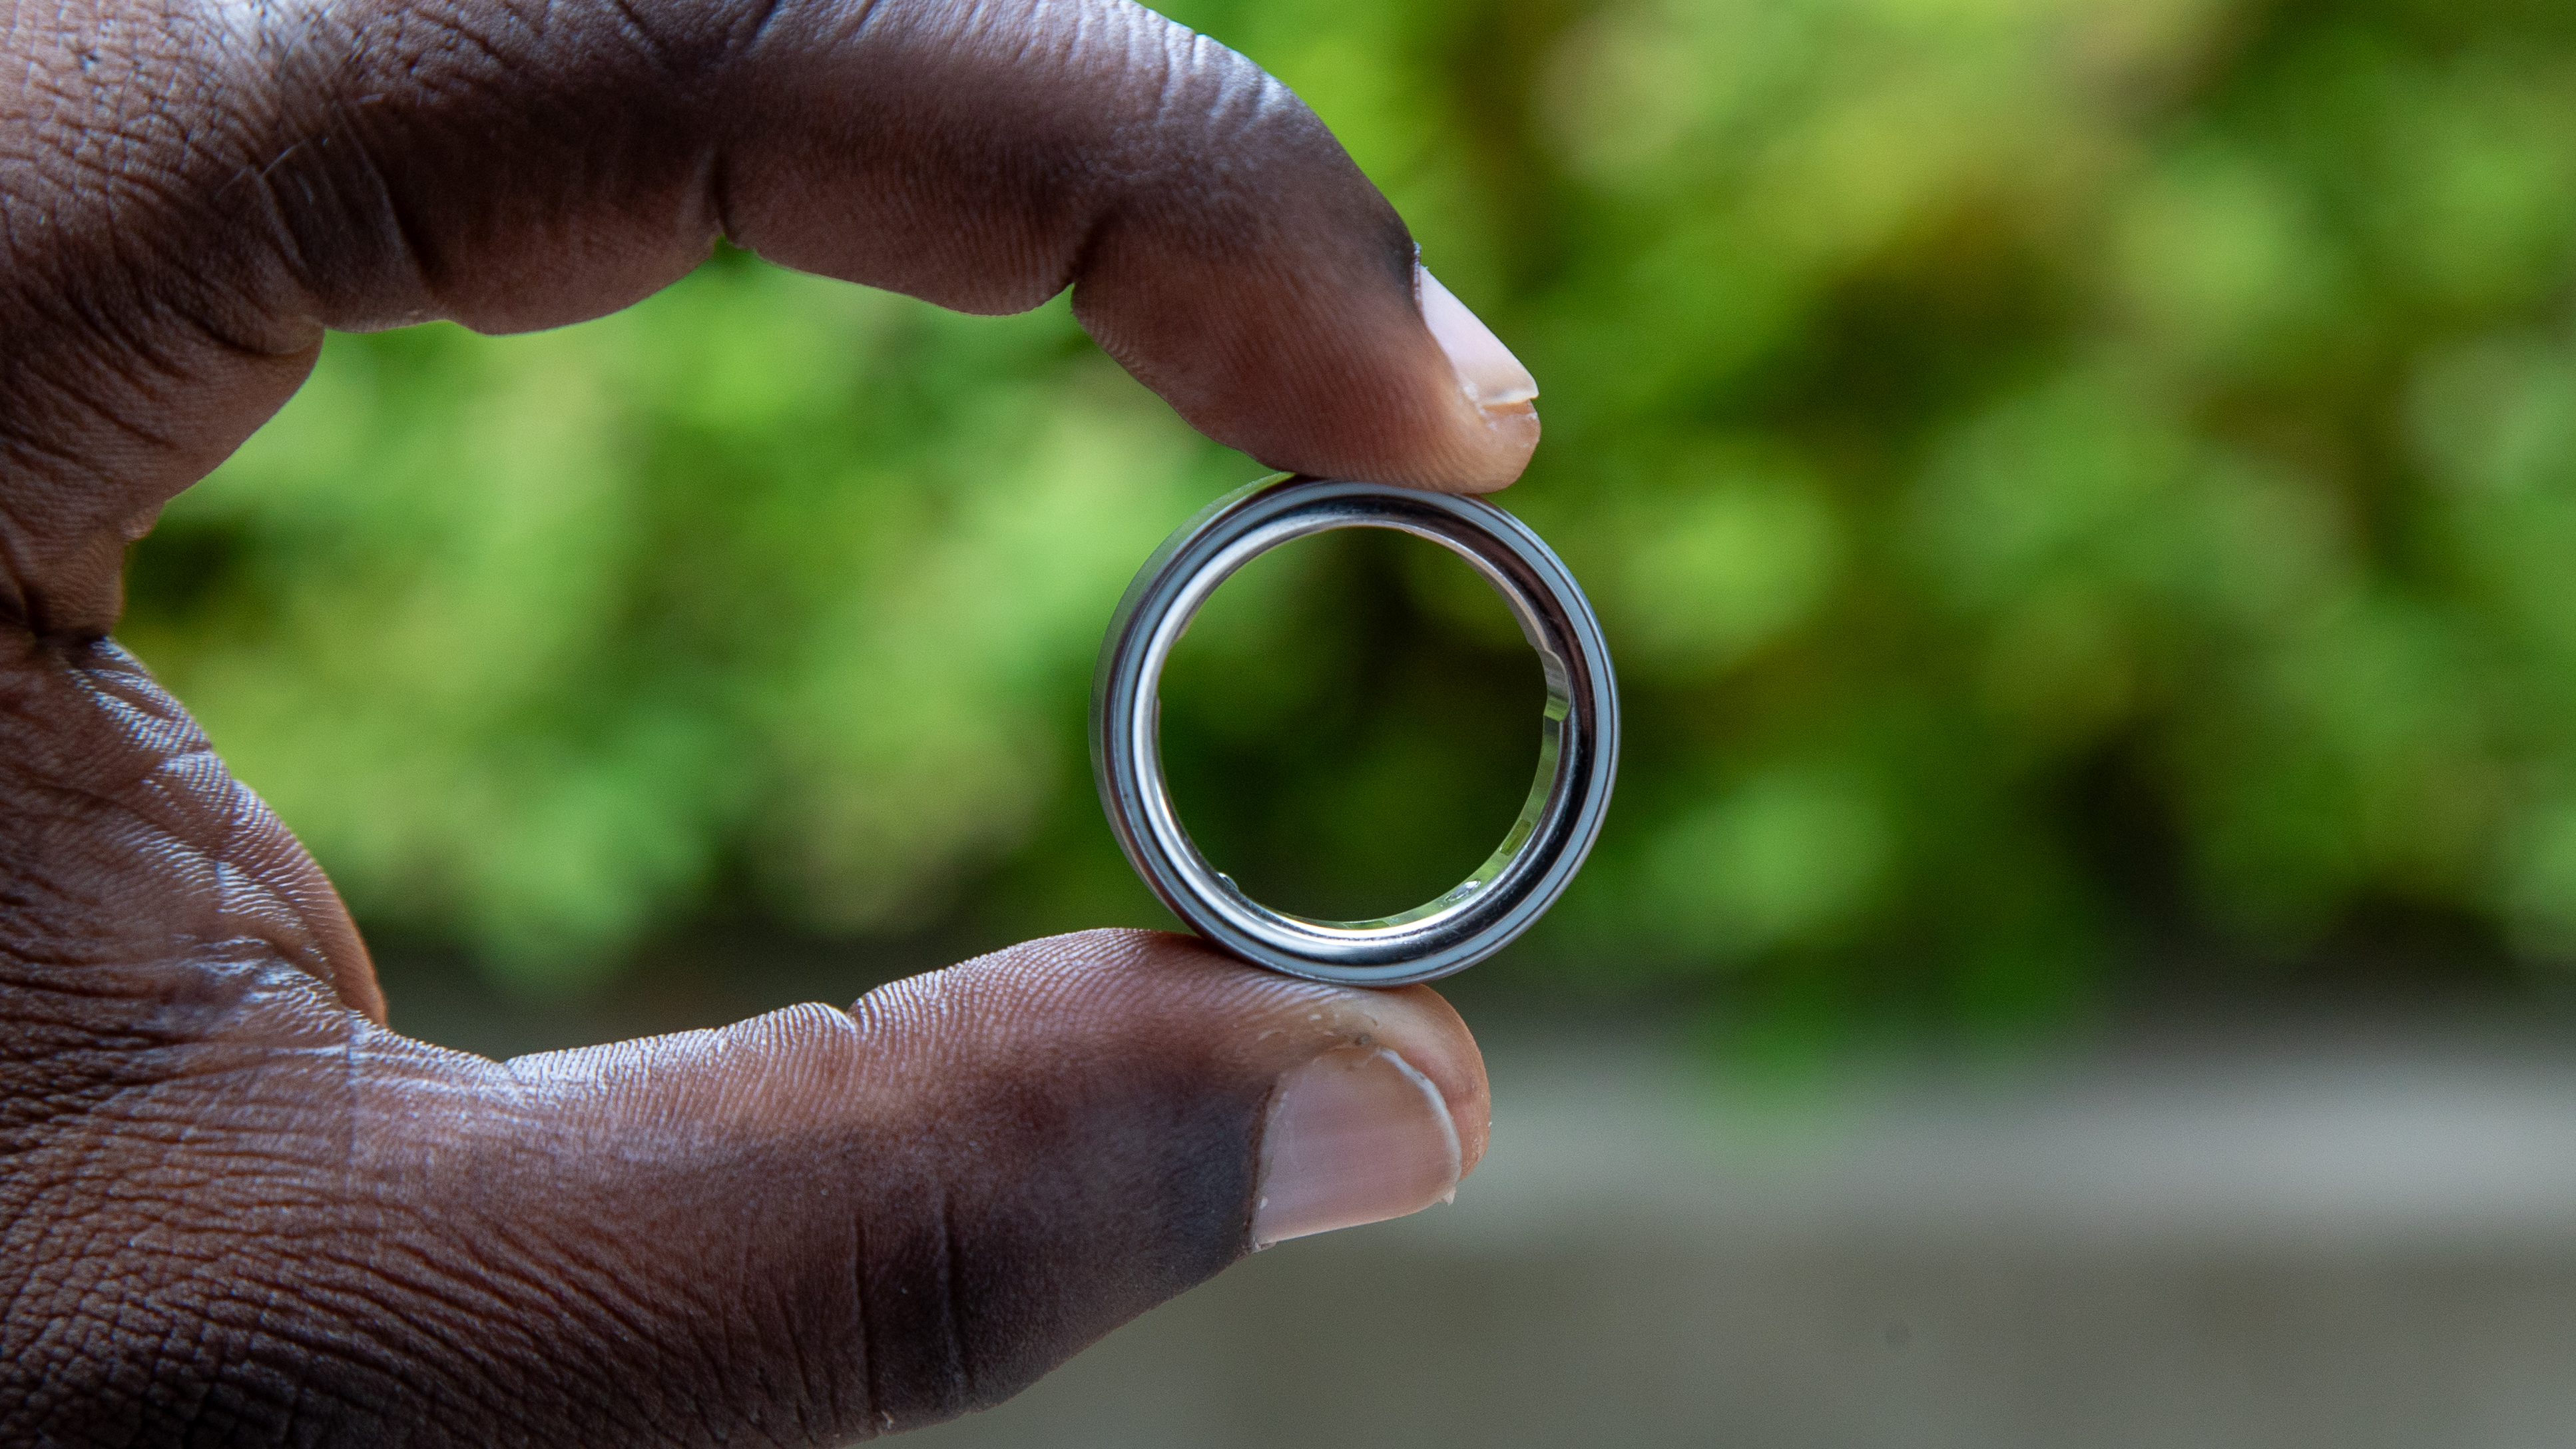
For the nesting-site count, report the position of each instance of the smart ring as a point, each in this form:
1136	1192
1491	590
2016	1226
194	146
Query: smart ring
1578	734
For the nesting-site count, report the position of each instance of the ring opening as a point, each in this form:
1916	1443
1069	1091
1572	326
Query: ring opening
1345	726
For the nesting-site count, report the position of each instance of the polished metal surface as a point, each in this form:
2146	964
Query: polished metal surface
1578	734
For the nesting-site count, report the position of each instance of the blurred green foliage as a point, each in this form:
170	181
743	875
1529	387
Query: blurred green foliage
2059	477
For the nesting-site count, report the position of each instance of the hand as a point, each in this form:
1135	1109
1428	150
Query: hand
234	1207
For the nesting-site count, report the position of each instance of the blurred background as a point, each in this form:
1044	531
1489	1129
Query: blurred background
2083	497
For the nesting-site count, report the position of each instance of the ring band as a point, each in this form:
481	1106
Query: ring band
1578	734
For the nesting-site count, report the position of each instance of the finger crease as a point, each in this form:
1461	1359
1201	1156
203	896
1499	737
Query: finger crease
961	1372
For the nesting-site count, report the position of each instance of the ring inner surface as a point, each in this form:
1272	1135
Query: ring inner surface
1458	900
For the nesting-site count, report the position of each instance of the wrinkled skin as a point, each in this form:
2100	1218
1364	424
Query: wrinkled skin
236	1208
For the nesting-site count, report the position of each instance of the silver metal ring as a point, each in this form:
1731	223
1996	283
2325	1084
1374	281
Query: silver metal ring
1578	734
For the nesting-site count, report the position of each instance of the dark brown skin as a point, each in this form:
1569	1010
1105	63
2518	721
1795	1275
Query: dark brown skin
235	1208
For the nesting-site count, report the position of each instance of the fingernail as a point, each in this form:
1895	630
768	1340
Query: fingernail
1355	1136
1492	377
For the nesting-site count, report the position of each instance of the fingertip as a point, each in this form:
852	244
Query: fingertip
1290	1020
1378	1101
1256	279
1356	1105
1435	401
1173	995
1378	1128
1492	420
1420	1025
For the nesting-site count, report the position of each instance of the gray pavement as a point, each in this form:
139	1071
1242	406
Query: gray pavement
2348	1241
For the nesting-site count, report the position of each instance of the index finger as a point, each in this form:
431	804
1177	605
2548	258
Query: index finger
272	171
